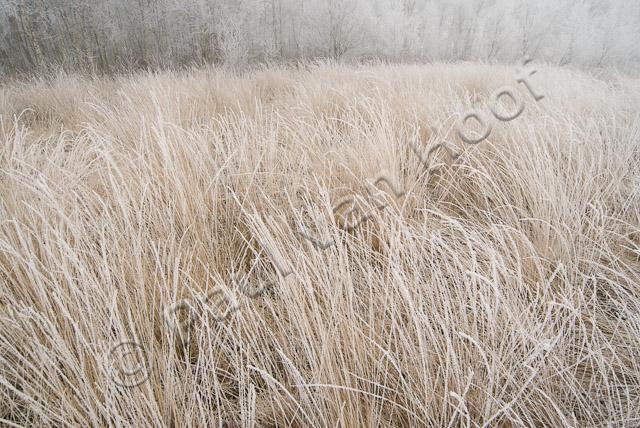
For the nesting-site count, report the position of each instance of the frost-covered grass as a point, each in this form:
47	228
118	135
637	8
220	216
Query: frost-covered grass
502	289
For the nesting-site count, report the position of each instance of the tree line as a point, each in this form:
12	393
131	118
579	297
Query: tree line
107	36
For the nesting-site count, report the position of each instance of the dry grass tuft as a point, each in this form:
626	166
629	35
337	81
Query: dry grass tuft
503	289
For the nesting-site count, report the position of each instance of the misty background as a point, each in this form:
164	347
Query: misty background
107	36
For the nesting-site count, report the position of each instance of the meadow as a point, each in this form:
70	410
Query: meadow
175	249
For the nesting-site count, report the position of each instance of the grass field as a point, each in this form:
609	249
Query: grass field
501	288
